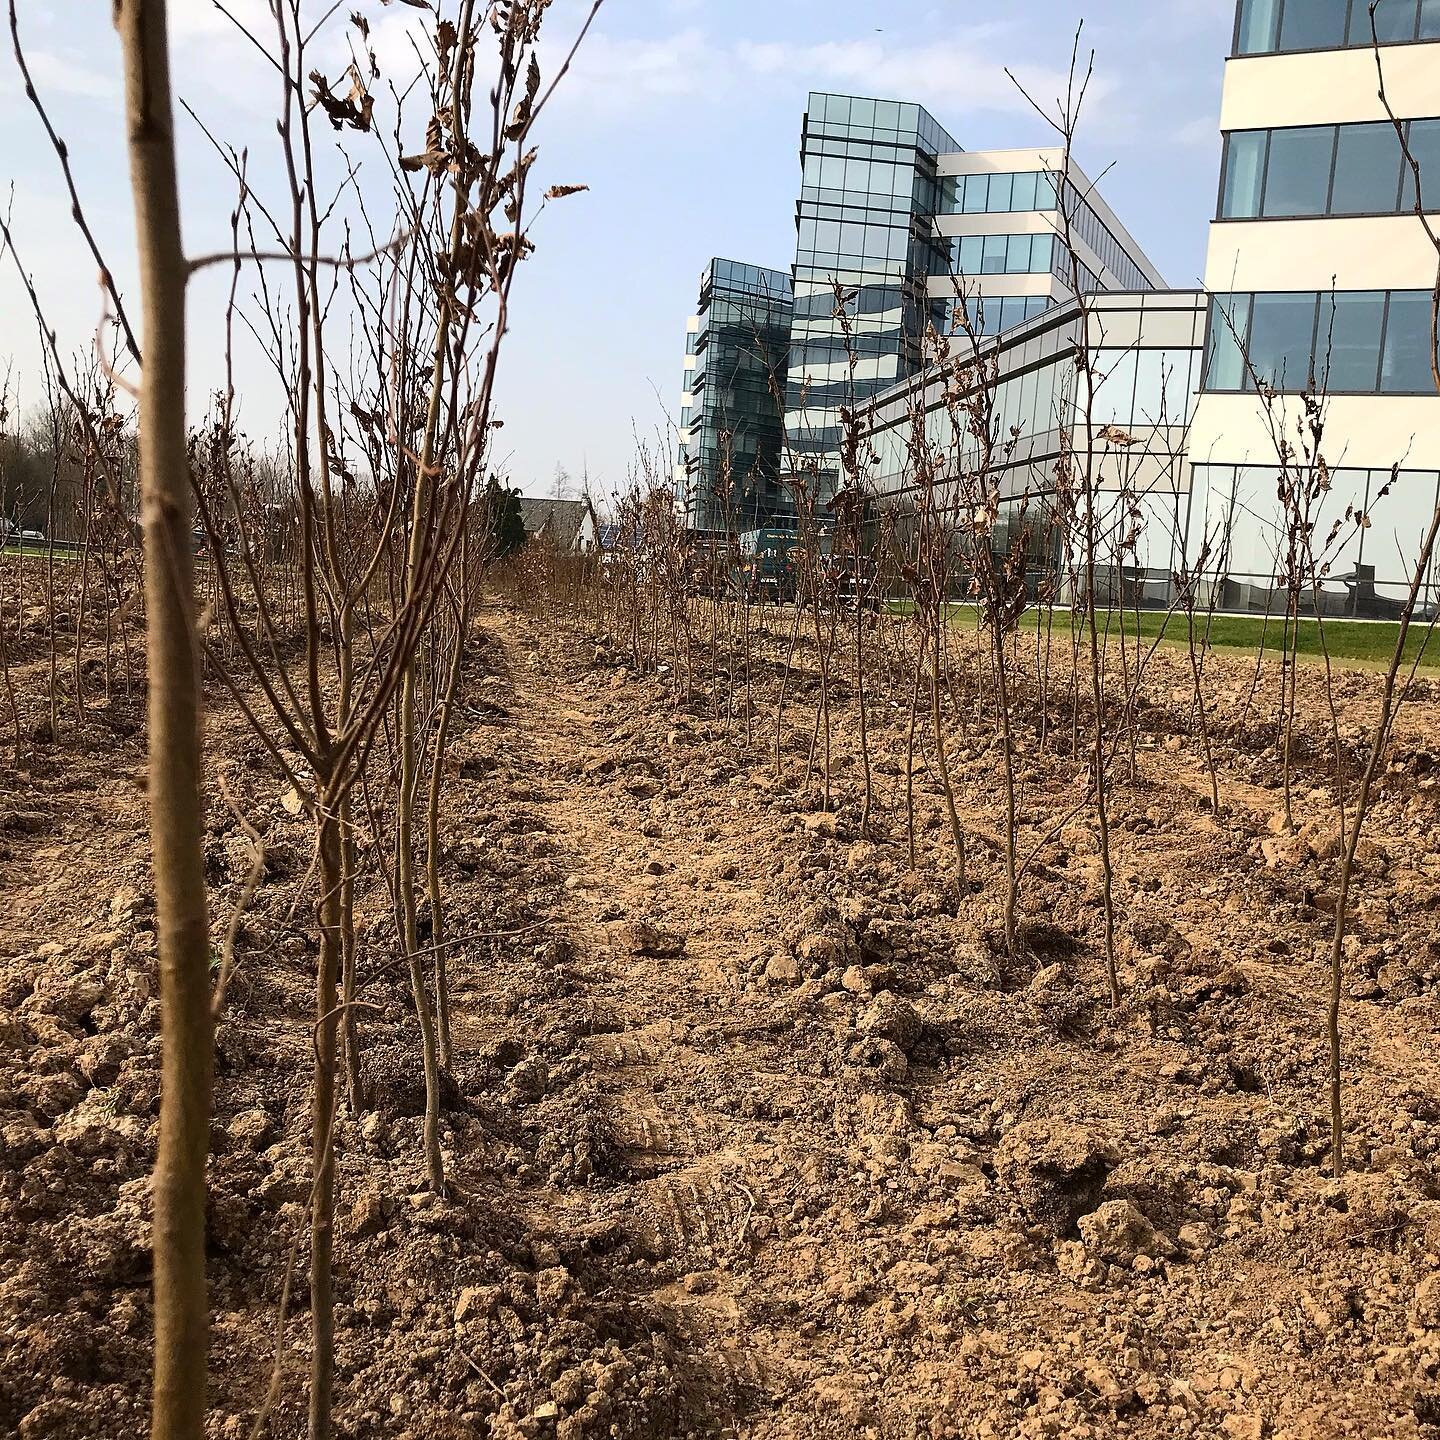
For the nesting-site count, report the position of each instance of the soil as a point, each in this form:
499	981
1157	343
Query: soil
753	1129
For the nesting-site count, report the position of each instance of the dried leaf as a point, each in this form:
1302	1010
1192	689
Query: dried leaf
445	40
559	192
354	110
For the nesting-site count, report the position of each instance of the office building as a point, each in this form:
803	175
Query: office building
1146	348
898	225
1322	279
1319	278
732	408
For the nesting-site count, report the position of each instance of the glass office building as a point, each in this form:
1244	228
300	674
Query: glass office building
897	232
1322	280
1147	349
732	409
866	246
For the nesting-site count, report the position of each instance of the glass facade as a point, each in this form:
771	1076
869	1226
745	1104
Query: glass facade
1002	254
1366	564
1036	190
997	194
1328	170
1147	356
992	314
864	223
733	428
1346	342
1272	27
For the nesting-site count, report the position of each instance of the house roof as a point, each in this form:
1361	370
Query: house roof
559	521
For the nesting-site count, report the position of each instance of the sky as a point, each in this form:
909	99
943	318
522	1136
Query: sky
682	116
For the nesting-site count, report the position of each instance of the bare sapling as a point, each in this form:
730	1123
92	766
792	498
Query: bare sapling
175	738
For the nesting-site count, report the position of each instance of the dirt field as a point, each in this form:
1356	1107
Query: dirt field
755	1131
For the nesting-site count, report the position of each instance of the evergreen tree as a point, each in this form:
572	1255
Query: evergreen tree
507	522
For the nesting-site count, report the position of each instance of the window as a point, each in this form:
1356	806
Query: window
1347	341
1258	28
996	194
1290	335
1367	170
1267	27
1328	170
1000	254
1425	148
1229	323
1244	174
1298	176
1282	338
1394	22
1405	364
1314	25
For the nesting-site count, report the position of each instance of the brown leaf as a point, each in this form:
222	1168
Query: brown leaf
353	110
445	40
559	192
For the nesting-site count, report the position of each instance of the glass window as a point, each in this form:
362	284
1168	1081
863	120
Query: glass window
1394	21
1313	25
1041	249
1405	365
1259	22
1022	195
1225	364
862	112
1045	192
1244	174
993	255
976	187
1347	342
1367	170
1425	148
1282	337
1430	19
1298	179
1001	189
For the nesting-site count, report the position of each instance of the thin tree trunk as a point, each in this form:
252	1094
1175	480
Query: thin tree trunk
322	1210
181	1311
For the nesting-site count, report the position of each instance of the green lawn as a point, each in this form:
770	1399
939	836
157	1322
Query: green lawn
1368	642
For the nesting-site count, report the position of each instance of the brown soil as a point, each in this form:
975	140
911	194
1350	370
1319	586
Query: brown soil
753	1134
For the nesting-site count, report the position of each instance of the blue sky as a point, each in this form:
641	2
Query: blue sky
683	117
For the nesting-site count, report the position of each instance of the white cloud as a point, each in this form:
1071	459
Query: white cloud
617	75
64	74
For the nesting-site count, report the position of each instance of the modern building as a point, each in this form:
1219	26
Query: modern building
897	225
1322	279
732	410
1146	349
1318	283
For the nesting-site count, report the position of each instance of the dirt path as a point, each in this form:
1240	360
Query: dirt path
691	1075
